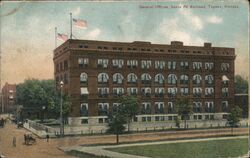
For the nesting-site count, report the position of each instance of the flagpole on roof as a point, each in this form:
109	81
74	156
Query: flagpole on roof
55	37
70	25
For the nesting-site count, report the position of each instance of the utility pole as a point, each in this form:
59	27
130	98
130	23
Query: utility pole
1	92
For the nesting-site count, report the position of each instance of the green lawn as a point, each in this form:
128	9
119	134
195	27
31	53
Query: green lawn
205	149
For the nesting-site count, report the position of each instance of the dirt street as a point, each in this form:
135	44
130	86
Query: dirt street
43	149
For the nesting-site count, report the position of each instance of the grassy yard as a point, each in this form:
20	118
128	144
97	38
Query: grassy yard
205	149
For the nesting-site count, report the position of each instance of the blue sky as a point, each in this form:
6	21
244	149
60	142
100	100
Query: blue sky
27	29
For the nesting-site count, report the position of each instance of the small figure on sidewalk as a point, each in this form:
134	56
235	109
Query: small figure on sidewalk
47	137
14	141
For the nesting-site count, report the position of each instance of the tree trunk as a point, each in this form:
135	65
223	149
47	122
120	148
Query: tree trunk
185	121
128	125
117	138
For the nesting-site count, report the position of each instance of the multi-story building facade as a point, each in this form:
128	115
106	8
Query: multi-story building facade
96	73
9	97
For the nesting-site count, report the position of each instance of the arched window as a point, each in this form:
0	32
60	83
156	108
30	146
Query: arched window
132	78
209	79
172	79
103	78
197	79
159	78
117	78
83	77
145	78
184	79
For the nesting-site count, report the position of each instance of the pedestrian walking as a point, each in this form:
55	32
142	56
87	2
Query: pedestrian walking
47	137
14	141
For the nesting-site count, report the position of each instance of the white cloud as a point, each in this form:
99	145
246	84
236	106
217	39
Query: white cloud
77	11
172	30
214	19
194	20
94	33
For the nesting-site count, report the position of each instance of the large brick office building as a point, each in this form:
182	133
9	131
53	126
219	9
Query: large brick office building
96	73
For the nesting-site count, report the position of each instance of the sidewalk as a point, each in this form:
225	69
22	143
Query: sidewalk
102	150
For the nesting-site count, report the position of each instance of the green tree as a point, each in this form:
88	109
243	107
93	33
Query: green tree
116	123
233	118
184	109
241	85
34	94
129	108
178	122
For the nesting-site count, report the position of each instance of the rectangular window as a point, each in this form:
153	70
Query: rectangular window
171	65
159	64
145	64
197	65
117	63
209	65
132	63
132	90
102	63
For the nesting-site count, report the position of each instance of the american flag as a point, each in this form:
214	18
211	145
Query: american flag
80	23
62	37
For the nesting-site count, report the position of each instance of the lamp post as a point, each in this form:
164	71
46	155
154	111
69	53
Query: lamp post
43	113
61	110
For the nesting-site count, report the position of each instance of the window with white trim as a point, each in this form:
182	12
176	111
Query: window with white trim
209	65
197	79
159	107
224	106
209	91
197	91
118	78
103	109
197	65
171	65
103	63
104	91
172	91
146	91
83	77
132	78
117	63
209	106
83	61
197	107
132	90
118	91
132	63
159	64
224	67
209	79
184	91
145	78
184	64
159	92
146	64
224	91
184	79
172	79
159	78
146	108
103	78
84	109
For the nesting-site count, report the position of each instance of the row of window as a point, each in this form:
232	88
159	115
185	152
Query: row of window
159	64
160	91
146	107
146	78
